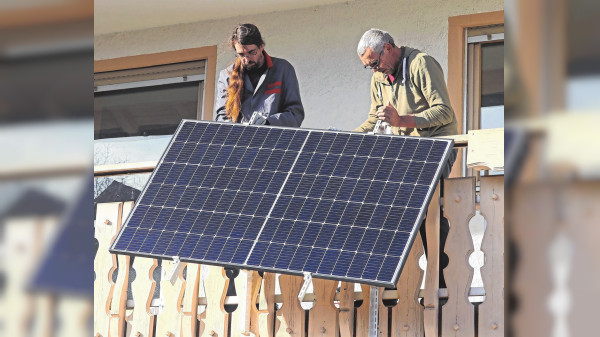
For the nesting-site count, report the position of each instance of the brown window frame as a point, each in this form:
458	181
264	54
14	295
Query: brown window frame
457	54
209	54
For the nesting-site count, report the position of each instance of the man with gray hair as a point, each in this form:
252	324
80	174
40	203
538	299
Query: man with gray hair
408	91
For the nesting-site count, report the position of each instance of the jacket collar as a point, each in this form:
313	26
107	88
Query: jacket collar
268	59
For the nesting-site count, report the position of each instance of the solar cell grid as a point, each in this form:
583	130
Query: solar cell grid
339	205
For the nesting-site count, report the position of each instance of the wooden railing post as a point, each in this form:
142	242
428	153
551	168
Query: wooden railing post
322	318
346	315
168	321
407	315
491	311
107	218
266	306
189	308
432	278
459	207
290	318
141	321
215	288
119	300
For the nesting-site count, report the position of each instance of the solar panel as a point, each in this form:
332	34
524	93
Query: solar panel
338	205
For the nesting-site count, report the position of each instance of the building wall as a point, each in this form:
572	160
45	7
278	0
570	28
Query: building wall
321	44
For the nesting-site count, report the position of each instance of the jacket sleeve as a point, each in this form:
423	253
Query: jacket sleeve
221	114
429	78
369	124
291	111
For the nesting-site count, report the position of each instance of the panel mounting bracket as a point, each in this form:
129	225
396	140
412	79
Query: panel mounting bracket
176	270
307	281
373	311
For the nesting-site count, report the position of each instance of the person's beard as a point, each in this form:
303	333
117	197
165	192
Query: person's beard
250	66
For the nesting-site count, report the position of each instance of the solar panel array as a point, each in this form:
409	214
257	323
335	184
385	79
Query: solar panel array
339	205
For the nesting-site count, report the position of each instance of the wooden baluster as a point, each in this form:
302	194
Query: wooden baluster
266	306
581	213
491	311
290	318
346	315
105	263
117	321
215	287
459	207
168	322
190	301
432	279
322	318
241	318
362	312
73	315
407	315
536	210
141	321
201	292
255	286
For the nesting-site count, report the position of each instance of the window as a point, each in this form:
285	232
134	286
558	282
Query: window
147	101
139	102
484	96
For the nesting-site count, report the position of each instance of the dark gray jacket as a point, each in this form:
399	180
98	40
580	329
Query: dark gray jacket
277	94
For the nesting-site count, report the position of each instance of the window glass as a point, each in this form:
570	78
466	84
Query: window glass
145	111
492	85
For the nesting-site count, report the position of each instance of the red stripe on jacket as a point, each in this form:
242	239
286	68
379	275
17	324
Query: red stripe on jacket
273	91
274	84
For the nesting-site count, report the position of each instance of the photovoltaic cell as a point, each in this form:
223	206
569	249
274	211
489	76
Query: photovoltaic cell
339	205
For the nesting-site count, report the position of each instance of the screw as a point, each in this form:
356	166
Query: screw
107	222
457	199
495	196
323	329
138	334
456	327
212	332
405	327
288	330
494	326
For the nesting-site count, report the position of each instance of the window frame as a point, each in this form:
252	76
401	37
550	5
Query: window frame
457	65
208	53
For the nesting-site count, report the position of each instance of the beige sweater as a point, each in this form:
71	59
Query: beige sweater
424	95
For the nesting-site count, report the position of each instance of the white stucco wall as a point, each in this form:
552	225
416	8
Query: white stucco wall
321	44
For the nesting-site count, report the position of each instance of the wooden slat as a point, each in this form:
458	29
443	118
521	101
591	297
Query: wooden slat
323	319
43	315
291	317
431	296
73	314
107	218
486	149
407	315
215	287
362	313
141	320
491	311
242	316
266	306
459	207
580	256
533	226
117	309
189	308
346	314
168	321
